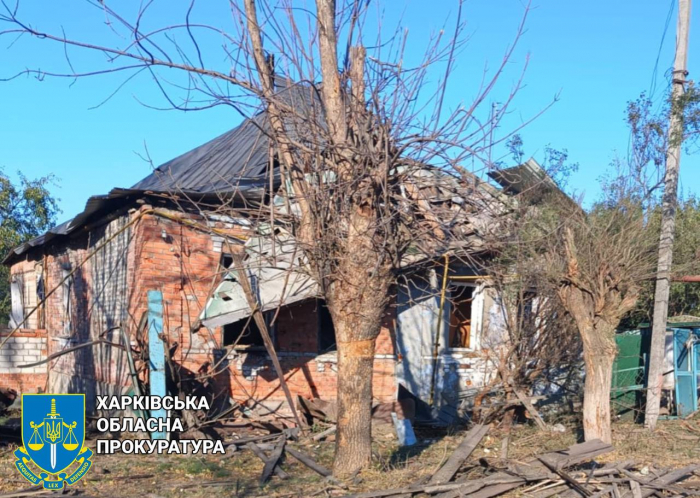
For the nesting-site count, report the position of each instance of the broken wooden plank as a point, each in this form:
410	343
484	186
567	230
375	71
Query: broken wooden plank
636	489
554	489
463	451
612	468
262	456
309	462
581	489
660	483
328	432
578	453
604	492
495	490
462	488
262	327
615	491
533	469
272	462
530	409
32	491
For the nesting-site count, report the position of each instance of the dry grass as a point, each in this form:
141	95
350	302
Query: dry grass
675	444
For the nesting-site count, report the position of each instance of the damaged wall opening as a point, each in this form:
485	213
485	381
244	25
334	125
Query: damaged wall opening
461	299
226	261
245	334
326	331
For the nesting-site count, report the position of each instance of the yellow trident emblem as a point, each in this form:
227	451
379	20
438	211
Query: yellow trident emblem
53	425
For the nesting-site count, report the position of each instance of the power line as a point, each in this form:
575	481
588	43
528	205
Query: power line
652	87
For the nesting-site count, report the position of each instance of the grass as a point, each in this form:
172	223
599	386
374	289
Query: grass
674	444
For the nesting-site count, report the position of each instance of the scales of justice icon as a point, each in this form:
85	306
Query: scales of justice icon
53	431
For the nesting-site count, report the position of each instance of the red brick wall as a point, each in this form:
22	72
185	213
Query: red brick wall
306	373
159	253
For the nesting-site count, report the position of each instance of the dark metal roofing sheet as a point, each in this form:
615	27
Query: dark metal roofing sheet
238	156
241	154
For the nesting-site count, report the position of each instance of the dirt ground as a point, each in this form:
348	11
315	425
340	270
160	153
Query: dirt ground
674	444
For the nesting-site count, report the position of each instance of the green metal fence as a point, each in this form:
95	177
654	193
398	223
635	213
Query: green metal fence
629	374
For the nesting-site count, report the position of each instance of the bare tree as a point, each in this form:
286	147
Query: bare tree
358	138
599	261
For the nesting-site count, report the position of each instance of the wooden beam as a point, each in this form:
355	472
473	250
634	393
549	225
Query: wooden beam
267	340
271	463
465	448
309	462
262	456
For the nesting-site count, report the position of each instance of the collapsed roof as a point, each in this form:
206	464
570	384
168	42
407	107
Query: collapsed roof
236	163
277	267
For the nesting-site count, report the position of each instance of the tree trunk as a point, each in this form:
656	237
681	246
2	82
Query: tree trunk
357	313
357	298
599	352
354	437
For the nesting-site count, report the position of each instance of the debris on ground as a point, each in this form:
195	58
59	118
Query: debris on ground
444	463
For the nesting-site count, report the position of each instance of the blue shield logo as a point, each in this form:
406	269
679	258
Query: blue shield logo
53	432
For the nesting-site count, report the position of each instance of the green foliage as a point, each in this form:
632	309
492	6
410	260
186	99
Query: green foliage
27	209
648	123
641	173
685	297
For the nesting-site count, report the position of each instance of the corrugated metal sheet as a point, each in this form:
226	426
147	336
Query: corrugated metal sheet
239	155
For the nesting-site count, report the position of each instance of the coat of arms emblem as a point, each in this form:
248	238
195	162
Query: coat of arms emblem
53	432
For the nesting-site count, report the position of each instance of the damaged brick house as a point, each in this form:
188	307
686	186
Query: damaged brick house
176	231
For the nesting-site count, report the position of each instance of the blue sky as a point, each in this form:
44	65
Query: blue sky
597	54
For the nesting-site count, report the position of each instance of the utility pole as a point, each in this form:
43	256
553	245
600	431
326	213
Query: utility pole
668	219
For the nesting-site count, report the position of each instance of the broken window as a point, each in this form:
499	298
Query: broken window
245	334
17	297
326	331
67	301
461	298
226	261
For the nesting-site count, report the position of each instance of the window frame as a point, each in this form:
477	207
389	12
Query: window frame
477	313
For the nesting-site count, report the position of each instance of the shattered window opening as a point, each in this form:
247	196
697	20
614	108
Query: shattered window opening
226	261
461	299
246	335
326	330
